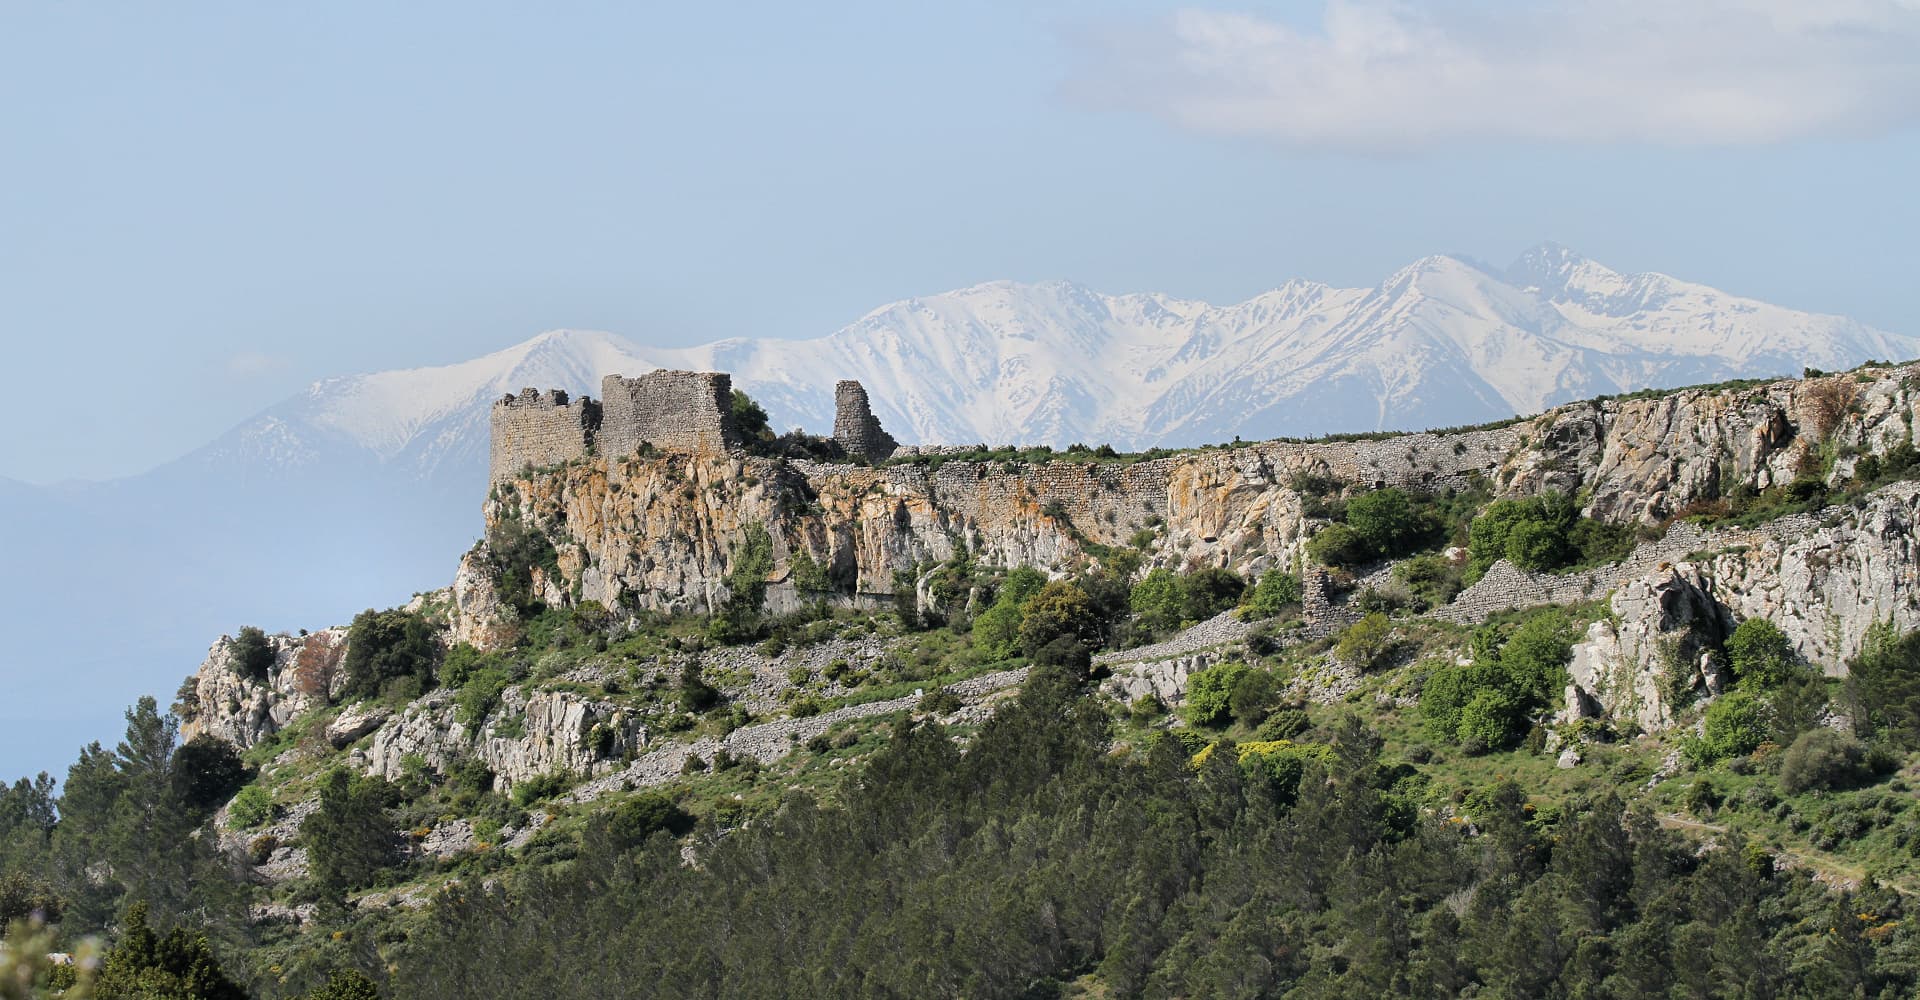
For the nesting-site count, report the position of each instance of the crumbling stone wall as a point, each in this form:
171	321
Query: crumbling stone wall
539	430
854	425
676	411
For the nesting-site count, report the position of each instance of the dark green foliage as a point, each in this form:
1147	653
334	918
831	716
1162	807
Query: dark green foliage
1338	545
1276	592
750	419
516	550
1735	725
1210	694
1038	857
349	838
1163	601
1822	758
1430	578
1541	533
1883	685
809	576
739	620
1389	522
1157	600
696	695
632	822
349	984
144	965
206	773
939	701
1516	673
1760	654
252	654
1252	698
23	896
1058	610
997	630
1366	643
388	646
1210	590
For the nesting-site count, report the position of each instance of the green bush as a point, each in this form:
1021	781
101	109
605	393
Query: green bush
383	646
206	773
252	654
1252	698
1389	522
1338	545
1157	600
997	630
1209	591
1210	694
1883	685
1058	610
1735	726
1822	758
1491	720
1430	578
539	788
1367	642
349	838
1276	592
252	807
479	696
632	822
1761	655
516	550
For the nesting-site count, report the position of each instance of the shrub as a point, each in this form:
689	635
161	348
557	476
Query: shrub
1491	720
388	645
1735	725
480	694
462	661
1252	697
252	654
1338	545
1276	592
940	701
349	838
1209	591
539	788
1366	643
1058	610
252	807
1284	725
1883	683
634	821
696	695
1210	694
997	630
517	550
1431	578
1388	521
1157	601
1761	655
1146	709
206	772
1822	758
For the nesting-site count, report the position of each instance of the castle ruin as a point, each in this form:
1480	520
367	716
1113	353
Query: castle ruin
672	411
855	427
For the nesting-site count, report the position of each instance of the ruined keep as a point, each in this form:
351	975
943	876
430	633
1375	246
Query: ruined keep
855	427
690	412
536	430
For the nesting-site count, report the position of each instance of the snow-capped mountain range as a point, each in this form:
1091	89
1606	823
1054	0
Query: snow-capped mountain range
1442	341
365	488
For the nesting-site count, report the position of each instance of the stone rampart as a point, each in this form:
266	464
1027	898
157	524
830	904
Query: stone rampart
537	430
673	411
855	427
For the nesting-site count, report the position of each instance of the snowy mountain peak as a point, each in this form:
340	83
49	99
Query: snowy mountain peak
1444	340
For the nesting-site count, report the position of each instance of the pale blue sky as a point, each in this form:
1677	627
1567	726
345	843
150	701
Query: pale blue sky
205	206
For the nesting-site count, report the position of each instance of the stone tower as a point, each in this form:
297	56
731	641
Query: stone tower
854	425
687	412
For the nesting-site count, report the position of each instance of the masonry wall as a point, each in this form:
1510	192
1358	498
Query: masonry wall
539	430
674	411
854	425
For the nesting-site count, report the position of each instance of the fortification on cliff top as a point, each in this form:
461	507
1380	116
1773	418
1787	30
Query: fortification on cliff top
672	411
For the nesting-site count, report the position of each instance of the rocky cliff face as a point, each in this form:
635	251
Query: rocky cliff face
663	532
306	674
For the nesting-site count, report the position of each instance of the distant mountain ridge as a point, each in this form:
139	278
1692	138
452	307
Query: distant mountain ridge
366	487
1442	341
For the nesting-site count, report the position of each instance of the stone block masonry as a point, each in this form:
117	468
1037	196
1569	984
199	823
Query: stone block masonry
537	430
855	427
675	411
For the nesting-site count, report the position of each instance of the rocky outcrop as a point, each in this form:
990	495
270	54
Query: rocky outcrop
530	734
307	673
1657	652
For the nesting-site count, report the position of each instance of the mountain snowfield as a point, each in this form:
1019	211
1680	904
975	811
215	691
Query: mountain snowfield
365	489
1443	341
